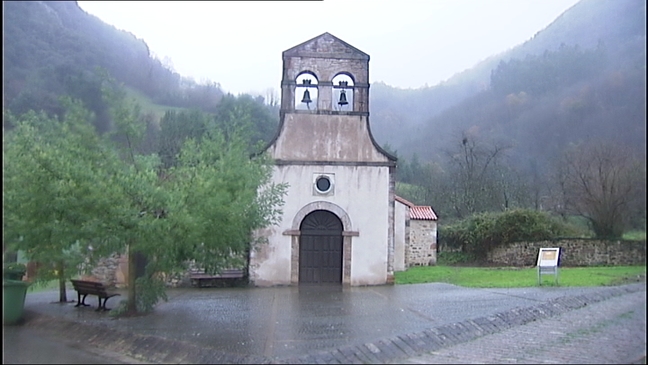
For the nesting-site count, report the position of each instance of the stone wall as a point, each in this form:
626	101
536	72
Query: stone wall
113	272
421	247
105	271
573	252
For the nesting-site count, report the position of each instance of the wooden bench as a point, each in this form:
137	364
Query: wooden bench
201	279
86	288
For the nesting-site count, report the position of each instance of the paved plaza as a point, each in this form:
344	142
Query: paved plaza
421	323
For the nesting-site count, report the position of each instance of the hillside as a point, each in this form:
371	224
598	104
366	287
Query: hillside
601	94
54	47
594	53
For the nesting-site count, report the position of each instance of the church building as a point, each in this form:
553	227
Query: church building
338	218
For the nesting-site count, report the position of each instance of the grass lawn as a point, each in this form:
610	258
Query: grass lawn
480	277
148	106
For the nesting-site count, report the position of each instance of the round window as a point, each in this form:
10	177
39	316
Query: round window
323	184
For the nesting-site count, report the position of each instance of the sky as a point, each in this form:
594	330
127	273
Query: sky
411	43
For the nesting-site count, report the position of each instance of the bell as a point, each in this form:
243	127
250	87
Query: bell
343	99
306	99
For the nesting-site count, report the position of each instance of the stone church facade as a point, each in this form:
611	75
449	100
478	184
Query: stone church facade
338	218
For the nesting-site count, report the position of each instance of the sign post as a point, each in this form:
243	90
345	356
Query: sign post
548	263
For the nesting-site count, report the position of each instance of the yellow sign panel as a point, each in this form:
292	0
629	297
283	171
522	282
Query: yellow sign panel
549	255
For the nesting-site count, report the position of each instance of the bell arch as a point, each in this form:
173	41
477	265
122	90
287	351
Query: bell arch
343	92
306	91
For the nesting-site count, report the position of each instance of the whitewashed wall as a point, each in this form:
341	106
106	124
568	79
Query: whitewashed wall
362	192
401	217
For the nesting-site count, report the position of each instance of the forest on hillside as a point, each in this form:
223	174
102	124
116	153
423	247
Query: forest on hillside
502	139
616	28
512	132
54	48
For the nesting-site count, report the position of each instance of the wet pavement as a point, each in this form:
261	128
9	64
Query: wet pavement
24	345
311	324
612	331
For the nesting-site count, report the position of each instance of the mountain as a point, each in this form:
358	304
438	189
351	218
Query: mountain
582	77
54	47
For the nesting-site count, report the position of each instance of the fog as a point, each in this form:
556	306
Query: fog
411	43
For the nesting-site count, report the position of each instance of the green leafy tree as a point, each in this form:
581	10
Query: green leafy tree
224	197
53	195
247	114
175	129
203	209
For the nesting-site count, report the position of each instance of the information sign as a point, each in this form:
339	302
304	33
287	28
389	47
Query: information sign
548	263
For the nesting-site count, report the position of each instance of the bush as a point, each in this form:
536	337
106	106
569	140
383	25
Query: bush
479	234
454	258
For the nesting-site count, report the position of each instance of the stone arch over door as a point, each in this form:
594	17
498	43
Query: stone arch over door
347	234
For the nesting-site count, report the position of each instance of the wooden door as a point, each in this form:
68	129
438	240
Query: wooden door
320	249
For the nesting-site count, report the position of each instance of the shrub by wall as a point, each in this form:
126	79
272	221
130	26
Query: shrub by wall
482	233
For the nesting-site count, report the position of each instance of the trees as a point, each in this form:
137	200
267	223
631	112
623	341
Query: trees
603	183
73	190
175	129
476	180
53	195
251	115
202	207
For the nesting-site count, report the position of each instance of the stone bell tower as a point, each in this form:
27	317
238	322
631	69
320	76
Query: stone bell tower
337	224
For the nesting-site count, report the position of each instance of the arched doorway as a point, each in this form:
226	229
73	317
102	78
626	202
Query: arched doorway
320	249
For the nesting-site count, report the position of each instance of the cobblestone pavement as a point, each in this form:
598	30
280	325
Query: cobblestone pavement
608	332
423	323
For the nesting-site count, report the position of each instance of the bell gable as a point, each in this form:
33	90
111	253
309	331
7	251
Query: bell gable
326	45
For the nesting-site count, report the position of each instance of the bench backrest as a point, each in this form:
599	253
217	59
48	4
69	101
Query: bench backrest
225	273
89	287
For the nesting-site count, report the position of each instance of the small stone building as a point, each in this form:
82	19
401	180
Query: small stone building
415	235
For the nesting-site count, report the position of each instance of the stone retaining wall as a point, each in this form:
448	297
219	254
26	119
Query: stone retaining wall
573	252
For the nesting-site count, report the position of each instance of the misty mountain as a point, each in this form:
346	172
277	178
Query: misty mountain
582	77
54	47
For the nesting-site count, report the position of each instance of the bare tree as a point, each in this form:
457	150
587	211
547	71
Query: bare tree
476	176
602	183
271	97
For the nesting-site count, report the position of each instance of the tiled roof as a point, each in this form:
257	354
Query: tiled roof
418	212
422	213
